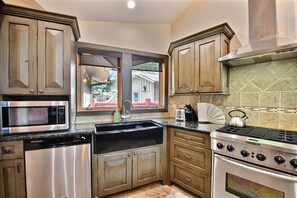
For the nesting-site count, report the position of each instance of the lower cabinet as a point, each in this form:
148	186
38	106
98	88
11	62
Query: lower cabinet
123	170
12	173
190	161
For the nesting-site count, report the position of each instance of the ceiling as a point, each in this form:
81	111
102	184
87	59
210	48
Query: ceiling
145	11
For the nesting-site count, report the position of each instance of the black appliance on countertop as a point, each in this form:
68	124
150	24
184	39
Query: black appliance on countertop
190	113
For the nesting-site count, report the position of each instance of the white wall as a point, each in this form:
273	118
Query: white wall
204	14
144	37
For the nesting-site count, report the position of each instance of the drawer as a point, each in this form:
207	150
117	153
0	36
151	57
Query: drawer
11	150
197	158
191	138
197	182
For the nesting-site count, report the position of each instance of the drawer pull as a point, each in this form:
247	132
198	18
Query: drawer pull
135	153
129	155
188	157
188	179
19	167
188	138
7	150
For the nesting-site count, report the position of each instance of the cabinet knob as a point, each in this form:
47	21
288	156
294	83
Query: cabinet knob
40	90
135	153
196	90
191	90
32	90
129	155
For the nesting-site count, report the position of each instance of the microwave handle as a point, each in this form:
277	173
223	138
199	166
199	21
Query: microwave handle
257	169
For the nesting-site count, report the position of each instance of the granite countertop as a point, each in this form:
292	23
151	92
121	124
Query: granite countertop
89	128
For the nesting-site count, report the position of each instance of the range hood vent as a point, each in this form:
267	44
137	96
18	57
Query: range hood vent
264	43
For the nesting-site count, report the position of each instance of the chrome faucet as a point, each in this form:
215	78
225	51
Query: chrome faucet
125	116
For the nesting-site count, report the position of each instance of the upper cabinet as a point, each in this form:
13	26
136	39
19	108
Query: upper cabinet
194	62
36	55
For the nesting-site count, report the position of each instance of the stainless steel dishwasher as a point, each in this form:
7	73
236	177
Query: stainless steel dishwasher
58	167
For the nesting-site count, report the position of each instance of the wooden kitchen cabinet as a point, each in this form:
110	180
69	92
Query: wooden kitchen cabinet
190	161
195	65
114	173
12	170
123	170
184	68
35	57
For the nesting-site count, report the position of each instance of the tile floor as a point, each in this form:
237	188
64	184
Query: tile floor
155	190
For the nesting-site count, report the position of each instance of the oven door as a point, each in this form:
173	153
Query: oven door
233	178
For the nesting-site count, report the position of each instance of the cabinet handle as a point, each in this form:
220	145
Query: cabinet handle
188	179
19	167
188	157
40	90
32	90
135	153
129	155
7	150
188	138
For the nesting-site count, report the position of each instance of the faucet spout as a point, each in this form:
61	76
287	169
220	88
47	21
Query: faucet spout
125	116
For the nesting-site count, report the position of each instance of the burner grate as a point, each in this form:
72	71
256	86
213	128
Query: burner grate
282	136
235	130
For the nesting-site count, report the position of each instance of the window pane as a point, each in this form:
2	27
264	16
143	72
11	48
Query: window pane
146	84
99	87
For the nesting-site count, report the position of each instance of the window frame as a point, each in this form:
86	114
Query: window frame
124	77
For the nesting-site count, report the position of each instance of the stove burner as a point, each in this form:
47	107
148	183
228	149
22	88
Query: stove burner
235	130
281	136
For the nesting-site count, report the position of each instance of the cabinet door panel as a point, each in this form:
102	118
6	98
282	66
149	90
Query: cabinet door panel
207	66
18	55
146	165
54	58
184	68
114	173
12	179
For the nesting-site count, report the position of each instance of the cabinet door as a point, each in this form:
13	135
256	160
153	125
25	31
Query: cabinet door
12	181
54	58
183	75
207	66
146	165
18	60
114	173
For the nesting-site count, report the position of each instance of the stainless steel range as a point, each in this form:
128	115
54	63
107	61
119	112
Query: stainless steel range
254	162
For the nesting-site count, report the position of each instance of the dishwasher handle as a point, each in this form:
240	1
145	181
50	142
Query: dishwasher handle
55	142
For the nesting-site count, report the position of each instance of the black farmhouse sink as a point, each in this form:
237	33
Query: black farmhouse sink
126	135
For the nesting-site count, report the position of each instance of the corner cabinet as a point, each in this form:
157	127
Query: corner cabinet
36	52
123	170
12	170
194	62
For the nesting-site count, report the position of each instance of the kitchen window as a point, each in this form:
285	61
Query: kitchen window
107	76
147	80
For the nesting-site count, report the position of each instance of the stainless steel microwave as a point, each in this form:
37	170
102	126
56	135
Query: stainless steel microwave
33	116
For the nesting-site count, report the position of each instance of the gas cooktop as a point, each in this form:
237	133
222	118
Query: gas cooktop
262	133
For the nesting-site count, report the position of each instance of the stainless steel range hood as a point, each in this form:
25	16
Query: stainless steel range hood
264	43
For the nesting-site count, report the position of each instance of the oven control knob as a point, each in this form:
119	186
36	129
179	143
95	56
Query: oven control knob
220	145
261	157
230	148
279	159
244	153
293	162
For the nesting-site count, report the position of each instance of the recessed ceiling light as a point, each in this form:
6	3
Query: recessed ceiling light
131	4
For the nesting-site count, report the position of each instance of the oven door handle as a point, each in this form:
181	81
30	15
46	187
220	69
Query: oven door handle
250	167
